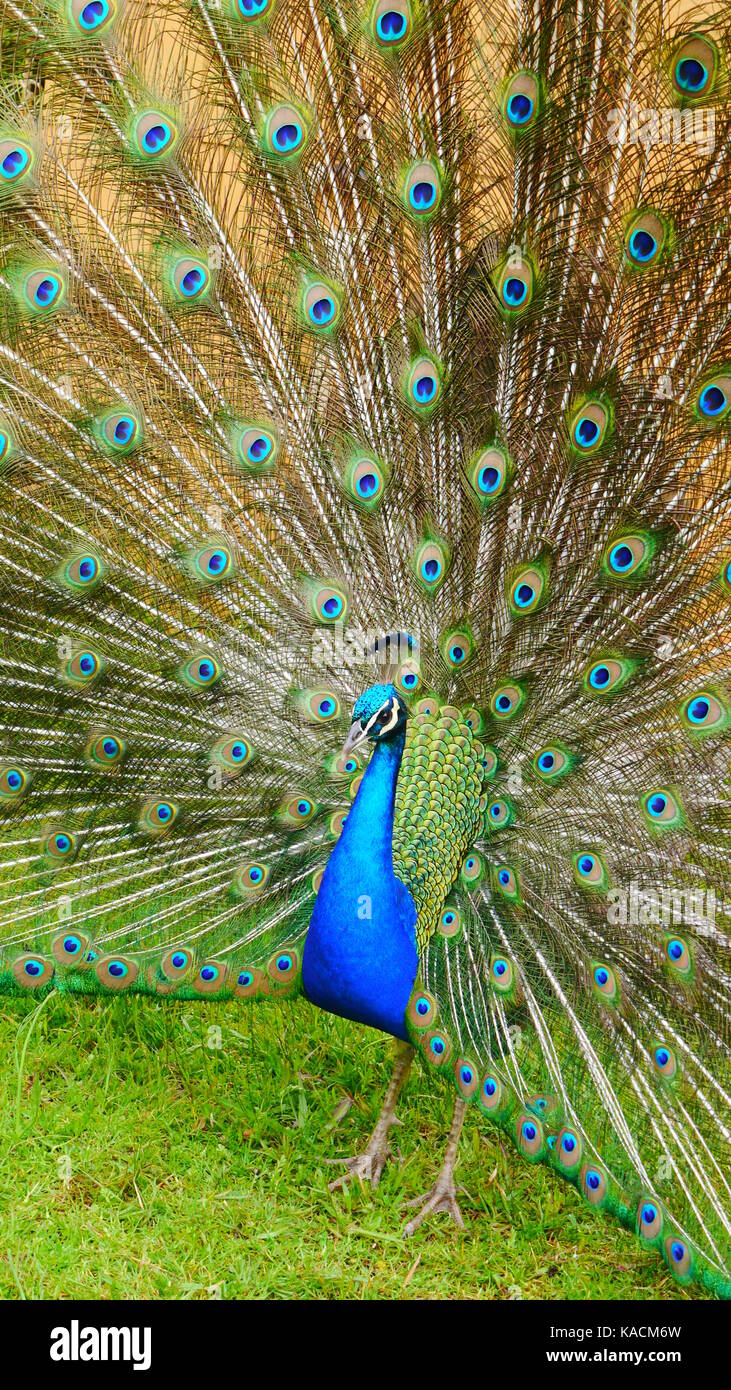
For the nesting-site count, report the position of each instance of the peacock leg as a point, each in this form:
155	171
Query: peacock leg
443	1196
369	1165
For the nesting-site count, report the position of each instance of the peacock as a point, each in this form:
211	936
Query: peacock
365	536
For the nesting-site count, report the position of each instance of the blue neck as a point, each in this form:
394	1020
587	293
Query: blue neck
360	957
370	820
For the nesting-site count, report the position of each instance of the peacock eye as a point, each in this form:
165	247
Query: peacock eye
694	67
422	190
16	159
423	387
713	400
391	22
118	432
589	425
521	101
704	713
155	135
92	16
515	285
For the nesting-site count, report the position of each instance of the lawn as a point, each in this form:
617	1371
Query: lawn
174	1150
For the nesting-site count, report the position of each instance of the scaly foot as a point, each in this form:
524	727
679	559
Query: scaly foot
443	1196
368	1166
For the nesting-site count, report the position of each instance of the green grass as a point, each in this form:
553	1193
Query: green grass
140	1161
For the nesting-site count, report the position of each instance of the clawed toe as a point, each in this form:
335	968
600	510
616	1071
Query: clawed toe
442	1198
367	1167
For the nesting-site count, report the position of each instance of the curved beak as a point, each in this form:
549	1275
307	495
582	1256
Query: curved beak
356	736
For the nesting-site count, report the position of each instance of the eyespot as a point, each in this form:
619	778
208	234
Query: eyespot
488	474
191	279
588	426
590	870
521	101
493	1096
7	443
252	9
116	972
649	1219
155	135
502	974
119	432
320	306
490	762
472	867
430	564
515	285
662	810
422	190
679	957
726	576
408	678
44	290
436	1047
211	978
552	762
283	966
694	67
83	668
678	1256
703	713
106	751
422	1009
32	971
91	17
232	753
645	239
212	563
466	1077
69	949
391	22
605	983
328	603
713	401
474	719
527	589
450	921
529	1136
340	765
336	821
610	674
201	671
594	1184
505	881
319	706
628	555
665	1060
569	1149
365	481
499	814
249	981
14	781
83	572
457	647
297	809
157	817
507	700
256	448
250	878
16	160
423	387
177	962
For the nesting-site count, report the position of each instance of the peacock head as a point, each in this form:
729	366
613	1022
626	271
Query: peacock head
379	714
